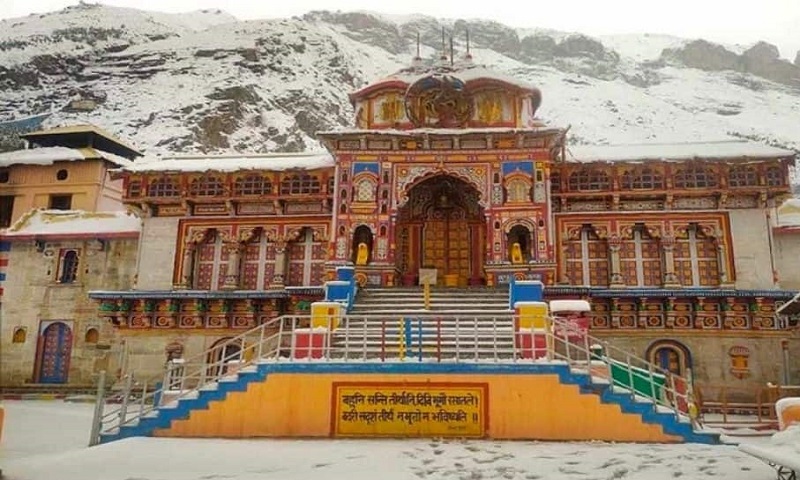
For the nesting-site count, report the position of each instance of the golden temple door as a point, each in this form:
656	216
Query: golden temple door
446	245
443	227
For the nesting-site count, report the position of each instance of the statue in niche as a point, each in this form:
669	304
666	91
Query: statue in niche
516	253
363	254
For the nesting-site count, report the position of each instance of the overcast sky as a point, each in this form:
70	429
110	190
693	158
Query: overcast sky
727	21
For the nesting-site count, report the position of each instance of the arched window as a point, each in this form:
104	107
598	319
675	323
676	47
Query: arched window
300	184
695	258
588	180
587	259
518	191
163	187
92	335
253	184
520	234
19	335
670	355
642	179
206	187
742	176
68	269
640	258
365	190
774	177
223	352
695	176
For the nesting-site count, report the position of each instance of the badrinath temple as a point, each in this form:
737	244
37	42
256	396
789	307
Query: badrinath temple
113	261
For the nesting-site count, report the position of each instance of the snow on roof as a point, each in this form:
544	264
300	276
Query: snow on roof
789	213
726	149
61	223
49	155
233	163
440	131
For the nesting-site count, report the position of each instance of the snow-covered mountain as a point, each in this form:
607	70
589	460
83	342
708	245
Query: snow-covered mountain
207	82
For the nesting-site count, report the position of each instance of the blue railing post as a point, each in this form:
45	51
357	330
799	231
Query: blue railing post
419	329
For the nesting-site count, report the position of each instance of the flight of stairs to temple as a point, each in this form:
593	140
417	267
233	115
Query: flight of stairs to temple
390	321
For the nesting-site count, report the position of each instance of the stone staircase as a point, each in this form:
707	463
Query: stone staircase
393	322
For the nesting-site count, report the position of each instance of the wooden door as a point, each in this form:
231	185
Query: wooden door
446	247
55	347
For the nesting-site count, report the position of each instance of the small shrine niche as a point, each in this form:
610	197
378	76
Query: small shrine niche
740	361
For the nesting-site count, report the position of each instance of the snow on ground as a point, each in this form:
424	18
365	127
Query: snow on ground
47	440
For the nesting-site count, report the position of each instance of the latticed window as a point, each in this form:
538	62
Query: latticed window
68	268
555	182
331	184
135	188
300	184
640	259
163	187
206	187
695	257
518	191
774	177
742	176
587	259
642	179
695	176
253	184
588	180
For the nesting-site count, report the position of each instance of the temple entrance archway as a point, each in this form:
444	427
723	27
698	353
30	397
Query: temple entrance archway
442	226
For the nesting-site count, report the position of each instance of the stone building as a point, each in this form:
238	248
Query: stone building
63	232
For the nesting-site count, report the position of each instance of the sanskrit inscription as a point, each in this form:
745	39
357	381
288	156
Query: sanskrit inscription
409	410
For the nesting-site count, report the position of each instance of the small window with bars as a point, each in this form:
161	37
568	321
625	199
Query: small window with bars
589	180
253	185
300	184
742	176
163	187
774	177
206	187
696	176
68	266
135	189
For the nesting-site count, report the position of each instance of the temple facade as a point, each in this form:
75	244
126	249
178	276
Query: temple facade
448	174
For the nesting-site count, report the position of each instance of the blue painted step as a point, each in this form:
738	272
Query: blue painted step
165	416
668	422
625	400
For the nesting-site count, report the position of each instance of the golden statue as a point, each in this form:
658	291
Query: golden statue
363	254
516	253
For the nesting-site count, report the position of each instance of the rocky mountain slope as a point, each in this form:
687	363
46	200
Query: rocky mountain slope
207	82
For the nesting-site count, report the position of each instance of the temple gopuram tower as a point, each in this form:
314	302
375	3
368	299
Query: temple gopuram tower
446	172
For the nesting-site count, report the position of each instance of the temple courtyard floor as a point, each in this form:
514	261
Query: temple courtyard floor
45	440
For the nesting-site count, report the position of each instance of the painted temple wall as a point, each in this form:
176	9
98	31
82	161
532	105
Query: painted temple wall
711	362
32	299
157	253
751	249
787	253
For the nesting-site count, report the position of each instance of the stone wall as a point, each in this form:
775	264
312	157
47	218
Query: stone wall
32	299
751	249
787	253
711	361
157	253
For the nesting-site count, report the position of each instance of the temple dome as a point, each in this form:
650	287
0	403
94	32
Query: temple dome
446	95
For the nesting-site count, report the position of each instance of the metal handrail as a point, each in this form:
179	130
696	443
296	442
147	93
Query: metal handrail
425	337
